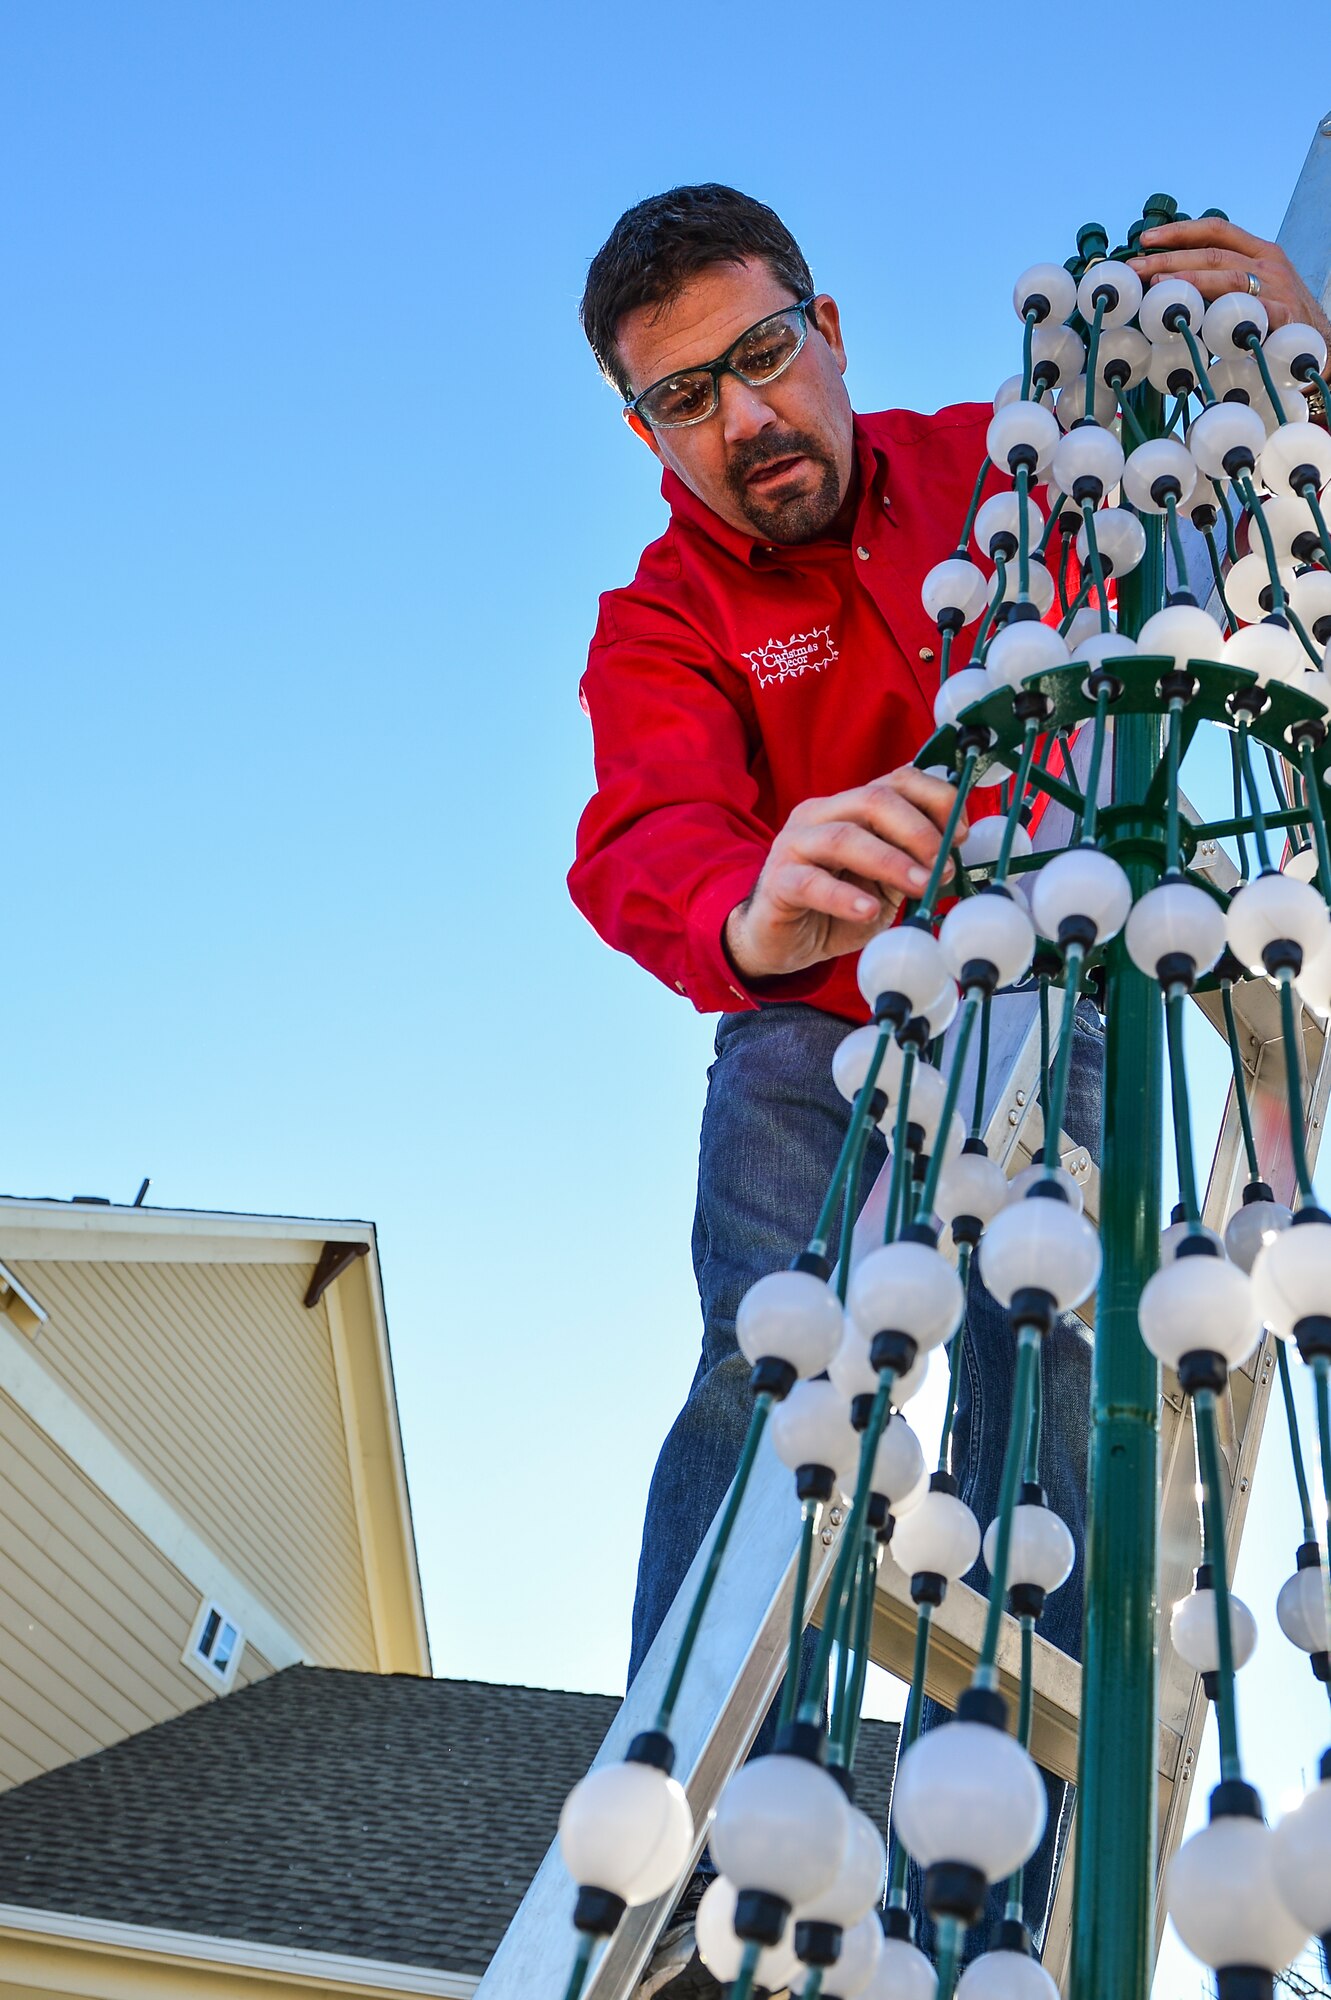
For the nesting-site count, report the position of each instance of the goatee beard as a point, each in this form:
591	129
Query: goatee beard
800	517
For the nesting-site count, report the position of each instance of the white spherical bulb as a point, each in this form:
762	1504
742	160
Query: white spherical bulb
1199	1304
1041	585
1302	1847
782	1825
1236	378
857	1960
852	1060
1008	391
723	1954
1288	520
939	1537
1021	1184
981	847
1194	1637
991	928
1182	632
1289	344
958	692
1309	592
1121	540
966	1792
1175	918
954	585
793	1316
902	1973
1057	355
1106	646
1049	288
1269	650
626	1828
1000	516
906	1288
1178	1233
1159	299
1222	429
1158	459
812	1427
1122	284
898	1464
941	1012
906	960
1271	908
1314	976
1041	1550
1089	452
1170	368
1228	315
1021	427
1040	1244
1301	1611
1070	404
1083	625
1223	1892
1006	1975
1251	1227
1291	407
1291	1278
1248	585
1122	357
1290	453
1025	648
971	1185
853	1374
928	1095
1081	883
858	1883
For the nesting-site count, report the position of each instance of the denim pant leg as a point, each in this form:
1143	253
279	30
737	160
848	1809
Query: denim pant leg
979	1442
771	1132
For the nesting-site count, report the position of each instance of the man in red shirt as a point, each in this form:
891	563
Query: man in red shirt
756	696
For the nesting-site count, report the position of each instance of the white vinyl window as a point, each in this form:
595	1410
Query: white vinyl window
215	1645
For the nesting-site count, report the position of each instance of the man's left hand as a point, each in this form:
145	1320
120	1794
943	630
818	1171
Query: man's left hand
1217	256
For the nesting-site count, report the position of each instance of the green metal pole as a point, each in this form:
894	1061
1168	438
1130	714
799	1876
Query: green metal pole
1113	1916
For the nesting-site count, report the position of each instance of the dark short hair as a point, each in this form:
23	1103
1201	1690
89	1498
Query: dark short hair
659	244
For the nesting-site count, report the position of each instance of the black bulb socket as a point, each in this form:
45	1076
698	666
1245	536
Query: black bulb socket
981	972
1181	381
1228	968
899	1923
1032	1494
1176	968
1180	597
1166	487
1026	1600
817	1943
760	1917
1197	1245
1201	1368
1174	318
1077	929
805	1740
814	1482
920	1232
1312	1336
915	1034
955	1889
1046	963
1116	373
1024	613
1304	476
1257	1191
1203	516
1014	1936
1242	1982
598	1911
942	1482
1037	306
1032	1306
1309	1556
814	1262
884	1534
653	1748
976	1148
927	1587
1321	1666
1234	1798
771	1376
1246	335
1308	1215
1105	294
1251	701
1283	955
1237	396
1023	455
1238	460
878	1102
967	1229
876	1511
1029	705
1322	630
844	1778
983	1705
1046	375
894	1350
861	1409
1306	545
950	620
1177	684
1088	487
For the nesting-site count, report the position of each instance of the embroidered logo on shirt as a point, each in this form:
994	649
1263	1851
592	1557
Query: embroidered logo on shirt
802	653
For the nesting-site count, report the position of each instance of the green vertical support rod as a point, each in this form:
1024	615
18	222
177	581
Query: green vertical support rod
1113	1912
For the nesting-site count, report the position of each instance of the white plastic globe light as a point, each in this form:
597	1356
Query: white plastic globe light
1070	404
1227	316
1081	884
852	1060
958	692
940	1537
1199	1305
982	845
1236	379
1223	1893
989	930
1291	1278
1087	462
1163	298
1171	368
858	1883
626	1829
1161	463
902	1973
1226	438
1291	344
1041	1551
1248	585
1301	1607
1008	391
1175	920
812	1427
1048	289
965	1792
898	1465
1057	355
928	1098
1040	1245
999	520
1122	357
1251	1227
1025	648
1041	591
853	1373
906	1288
1022	430
1269	650
782	1826
1182	632
1084	624
1290	524
1006	1975
1309	592
1106	647
1271	910
954	586
971	1185
1037	1173
908	961
1120	287
1194	1637
857	1961
1302	1845
1178	1233
1120	538
1294	456
789	1316
723	1954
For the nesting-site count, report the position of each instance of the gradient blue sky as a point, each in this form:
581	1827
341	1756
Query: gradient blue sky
309	487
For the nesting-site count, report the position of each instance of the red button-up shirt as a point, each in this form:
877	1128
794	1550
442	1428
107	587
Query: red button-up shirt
732	680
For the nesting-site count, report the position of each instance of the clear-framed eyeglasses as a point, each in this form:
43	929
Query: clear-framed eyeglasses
762	352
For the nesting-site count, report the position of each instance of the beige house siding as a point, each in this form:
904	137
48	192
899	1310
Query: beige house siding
220	1386
93	1618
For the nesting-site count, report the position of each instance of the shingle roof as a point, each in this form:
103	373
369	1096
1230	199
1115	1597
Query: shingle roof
378	1815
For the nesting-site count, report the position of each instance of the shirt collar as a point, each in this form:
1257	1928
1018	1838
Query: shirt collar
686	507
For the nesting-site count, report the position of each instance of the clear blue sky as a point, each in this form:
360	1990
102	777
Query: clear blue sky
309	487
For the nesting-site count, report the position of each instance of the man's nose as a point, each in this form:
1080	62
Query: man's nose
745	411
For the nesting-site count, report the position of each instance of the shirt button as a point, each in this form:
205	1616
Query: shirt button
863	554
926	653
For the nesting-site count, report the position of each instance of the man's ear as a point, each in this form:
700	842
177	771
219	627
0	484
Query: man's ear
642	430
825	316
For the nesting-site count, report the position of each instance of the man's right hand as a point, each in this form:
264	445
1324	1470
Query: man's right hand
838	872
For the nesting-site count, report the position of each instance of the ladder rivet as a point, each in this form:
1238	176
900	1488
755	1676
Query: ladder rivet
827	1538
836	1517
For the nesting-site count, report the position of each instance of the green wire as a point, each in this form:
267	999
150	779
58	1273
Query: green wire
847	1553
949	1949
910	1729
896	1187
1173	754
1199	368
965	779
1023	536
1219	578
1310	495
808	1517
986	467
1093	355
981	646
850	1210
1289	1035
1031	1469
1258	514
1014	809
1092	794
1028	1352
1312	792
1071	610
1322	1392
1178	1091
1254	798
1213	1552
748	1965
929	1191
981	1069
863	1633
577	1978
1240	1089
954	1354
1231	545
859	1116
1254	347
1236	765
1175	541
1027	333
1097	566
1053	1114
1017	1880
1295	1444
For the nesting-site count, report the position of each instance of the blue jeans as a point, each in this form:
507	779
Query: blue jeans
771	1132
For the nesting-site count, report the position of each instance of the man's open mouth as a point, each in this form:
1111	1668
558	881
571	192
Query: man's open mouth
776	469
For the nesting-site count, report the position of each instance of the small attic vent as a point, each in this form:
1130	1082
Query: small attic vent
216	1643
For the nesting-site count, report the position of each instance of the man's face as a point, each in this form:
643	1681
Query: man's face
774	461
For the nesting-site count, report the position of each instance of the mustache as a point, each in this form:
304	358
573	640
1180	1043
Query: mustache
751	454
